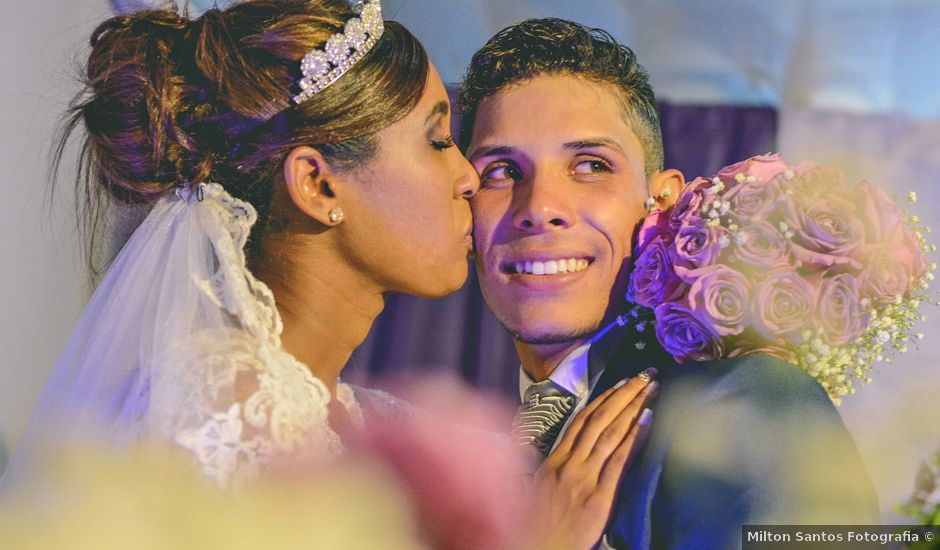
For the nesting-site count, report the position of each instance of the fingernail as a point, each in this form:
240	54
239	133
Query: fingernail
619	384
645	417
648	374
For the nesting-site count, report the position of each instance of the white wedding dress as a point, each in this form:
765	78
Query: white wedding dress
180	345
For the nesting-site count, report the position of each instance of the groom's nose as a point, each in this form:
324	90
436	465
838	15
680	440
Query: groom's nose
544	203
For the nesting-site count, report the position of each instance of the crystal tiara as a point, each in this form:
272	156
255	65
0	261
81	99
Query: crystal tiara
322	67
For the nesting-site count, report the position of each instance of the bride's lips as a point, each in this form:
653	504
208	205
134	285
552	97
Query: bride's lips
468	237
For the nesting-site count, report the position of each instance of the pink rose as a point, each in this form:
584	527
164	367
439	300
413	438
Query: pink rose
888	272
720	298
884	226
654	225
909	252
839	312
815	180
689	204
762	167
684	336
880	214
760	245
453	510
783	306
697	245
653	280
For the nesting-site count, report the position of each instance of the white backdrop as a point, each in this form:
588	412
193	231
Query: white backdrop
855	81
40	274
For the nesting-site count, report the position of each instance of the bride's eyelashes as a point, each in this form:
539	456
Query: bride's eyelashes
445	143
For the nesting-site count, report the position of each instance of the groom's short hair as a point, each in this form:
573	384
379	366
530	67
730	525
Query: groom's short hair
556	46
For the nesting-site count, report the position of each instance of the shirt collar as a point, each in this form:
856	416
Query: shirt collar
571	374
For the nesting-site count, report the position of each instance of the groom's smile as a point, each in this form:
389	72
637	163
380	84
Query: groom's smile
562	188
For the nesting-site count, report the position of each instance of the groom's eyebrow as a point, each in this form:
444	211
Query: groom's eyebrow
492	151
441	108
593	143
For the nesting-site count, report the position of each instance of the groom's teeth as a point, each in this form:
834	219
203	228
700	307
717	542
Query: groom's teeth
551	267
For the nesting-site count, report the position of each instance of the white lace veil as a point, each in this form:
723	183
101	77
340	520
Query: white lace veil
180	343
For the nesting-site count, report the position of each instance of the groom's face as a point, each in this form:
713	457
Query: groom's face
562	188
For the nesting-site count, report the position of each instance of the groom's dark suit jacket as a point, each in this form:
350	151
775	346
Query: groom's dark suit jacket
751	440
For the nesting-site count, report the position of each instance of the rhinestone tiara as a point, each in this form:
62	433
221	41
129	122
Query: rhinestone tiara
322	67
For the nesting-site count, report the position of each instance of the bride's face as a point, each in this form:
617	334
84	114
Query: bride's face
409	224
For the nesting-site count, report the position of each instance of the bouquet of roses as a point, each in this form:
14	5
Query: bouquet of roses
785	260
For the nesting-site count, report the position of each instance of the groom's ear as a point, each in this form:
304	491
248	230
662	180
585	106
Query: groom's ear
665	187
311	184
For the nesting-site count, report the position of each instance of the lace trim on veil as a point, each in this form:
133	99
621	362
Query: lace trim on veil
180	345
251	401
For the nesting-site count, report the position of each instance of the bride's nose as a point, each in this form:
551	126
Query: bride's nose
467	182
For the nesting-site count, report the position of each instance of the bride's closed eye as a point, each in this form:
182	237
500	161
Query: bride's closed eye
445	143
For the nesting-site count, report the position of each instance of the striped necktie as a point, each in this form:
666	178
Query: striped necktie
544	410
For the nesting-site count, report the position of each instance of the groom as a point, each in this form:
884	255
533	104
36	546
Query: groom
560	122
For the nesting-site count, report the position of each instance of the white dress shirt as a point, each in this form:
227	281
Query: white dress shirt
573	374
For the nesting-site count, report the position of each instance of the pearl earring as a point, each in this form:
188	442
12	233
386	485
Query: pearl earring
650	203
336	215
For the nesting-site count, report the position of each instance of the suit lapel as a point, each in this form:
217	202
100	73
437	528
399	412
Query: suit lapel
617	356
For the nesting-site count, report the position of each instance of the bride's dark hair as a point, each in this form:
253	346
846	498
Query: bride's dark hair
168	99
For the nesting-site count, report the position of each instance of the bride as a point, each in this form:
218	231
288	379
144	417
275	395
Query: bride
297	166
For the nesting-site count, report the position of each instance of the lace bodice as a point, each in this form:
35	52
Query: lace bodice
247	410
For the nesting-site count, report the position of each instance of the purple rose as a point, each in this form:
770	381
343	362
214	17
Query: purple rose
839	312
783	306
720	298
653	280
750	200
760	245
684	336
697	245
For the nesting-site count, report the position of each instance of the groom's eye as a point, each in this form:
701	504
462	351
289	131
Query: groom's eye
499	174
591	166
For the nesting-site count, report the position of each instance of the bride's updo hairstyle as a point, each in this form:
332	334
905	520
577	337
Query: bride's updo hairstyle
169	100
